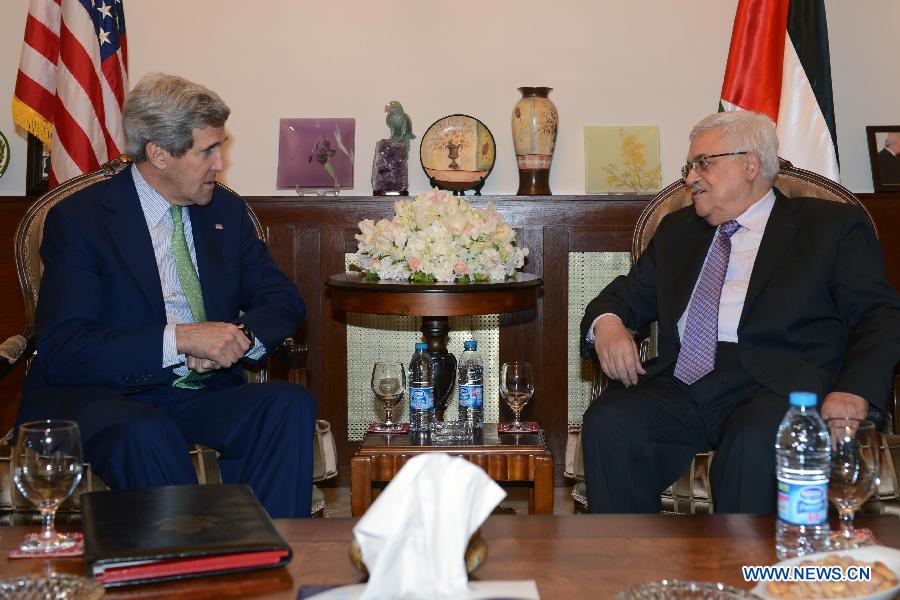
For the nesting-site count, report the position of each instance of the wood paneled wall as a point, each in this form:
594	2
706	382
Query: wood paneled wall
309	237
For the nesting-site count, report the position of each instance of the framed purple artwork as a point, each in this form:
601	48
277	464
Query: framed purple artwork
316	153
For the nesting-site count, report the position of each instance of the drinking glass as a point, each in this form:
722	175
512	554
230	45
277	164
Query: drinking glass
854	476
388	383
47	467
516	388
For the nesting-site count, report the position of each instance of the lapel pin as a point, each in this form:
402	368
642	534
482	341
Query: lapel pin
219	226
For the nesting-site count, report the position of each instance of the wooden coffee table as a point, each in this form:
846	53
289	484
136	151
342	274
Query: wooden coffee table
569	556
505	458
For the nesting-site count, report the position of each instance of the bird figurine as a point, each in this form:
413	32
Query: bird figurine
399	123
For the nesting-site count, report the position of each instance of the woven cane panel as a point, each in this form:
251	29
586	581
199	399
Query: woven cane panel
589	273
371	338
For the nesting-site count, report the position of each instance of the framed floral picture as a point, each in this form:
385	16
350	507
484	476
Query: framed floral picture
621	159
884	154
316	153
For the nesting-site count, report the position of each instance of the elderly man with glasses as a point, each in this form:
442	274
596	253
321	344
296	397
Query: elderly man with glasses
756	295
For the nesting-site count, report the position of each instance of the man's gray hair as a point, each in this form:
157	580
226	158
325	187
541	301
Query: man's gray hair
743	130
165	109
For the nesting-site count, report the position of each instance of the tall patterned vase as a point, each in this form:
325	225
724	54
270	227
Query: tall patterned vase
534	125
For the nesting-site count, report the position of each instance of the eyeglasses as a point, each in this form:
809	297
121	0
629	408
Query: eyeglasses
701	163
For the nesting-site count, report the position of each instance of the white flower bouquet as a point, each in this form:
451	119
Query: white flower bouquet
438	237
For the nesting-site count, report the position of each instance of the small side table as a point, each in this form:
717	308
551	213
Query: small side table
434	302
505	458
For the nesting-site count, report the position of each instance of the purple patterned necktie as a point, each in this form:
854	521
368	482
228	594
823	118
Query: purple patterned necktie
701	331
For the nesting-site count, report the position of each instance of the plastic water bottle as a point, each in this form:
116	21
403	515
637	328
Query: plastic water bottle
470	383
421	390
802	467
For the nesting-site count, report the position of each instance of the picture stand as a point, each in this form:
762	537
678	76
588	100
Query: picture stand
476	187
335	191
400	193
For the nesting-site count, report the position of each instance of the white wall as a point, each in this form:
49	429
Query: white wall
637	62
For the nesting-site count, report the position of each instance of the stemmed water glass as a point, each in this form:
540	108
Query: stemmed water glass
47	467
516	388
388	383
854	476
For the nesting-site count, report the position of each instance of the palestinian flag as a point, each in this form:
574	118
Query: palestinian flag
778	64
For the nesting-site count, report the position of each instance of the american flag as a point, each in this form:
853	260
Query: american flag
72	80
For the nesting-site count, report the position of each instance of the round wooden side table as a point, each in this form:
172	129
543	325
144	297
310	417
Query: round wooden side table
434	302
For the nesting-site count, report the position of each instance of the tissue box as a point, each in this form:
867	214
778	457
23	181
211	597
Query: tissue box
476	553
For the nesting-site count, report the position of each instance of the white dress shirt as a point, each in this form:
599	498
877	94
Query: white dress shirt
178	311
159	223
744	248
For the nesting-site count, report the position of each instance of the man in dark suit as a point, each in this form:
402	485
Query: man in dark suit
155	288
756	295
888	161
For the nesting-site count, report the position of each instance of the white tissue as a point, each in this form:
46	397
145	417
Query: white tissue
413	537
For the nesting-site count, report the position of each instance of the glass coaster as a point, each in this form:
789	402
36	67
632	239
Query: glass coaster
395	428
523	427
76	548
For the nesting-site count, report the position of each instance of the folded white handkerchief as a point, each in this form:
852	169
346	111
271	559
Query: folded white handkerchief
414	536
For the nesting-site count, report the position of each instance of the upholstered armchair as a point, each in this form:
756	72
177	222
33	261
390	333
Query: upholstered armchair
691	493
20	349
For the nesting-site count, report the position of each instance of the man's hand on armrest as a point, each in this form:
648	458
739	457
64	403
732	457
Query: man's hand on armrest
843	404
618	354
221	343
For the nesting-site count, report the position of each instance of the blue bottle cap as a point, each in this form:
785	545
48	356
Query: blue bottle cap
470	345
421	346
802	399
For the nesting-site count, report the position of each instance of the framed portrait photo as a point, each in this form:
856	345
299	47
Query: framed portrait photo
37	168
884	154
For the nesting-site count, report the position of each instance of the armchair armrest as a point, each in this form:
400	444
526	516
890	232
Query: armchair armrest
294	355
16	349
645	338
893	420
290	354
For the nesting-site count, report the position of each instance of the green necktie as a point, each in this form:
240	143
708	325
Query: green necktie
190	285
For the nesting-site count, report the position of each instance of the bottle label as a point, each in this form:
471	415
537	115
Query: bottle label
421	398
803	503
471	396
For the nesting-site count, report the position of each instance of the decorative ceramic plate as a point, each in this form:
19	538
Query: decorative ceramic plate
457	153
890	557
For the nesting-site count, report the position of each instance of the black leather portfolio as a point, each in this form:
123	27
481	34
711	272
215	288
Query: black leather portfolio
178	531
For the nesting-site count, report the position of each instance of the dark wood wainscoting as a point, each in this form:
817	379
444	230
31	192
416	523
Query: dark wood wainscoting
309	238
12	309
